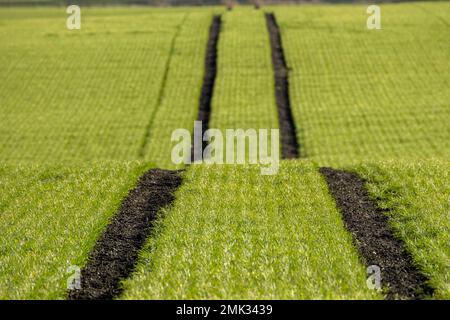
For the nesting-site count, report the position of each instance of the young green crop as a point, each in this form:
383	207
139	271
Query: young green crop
416	197
244	89
360	94
118	87
101	92
244	95
179	99
235	234
51	218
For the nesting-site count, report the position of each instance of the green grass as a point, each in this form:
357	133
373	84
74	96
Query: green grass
417	197
360	94
244	89
72	97
117	88
235	234
51	218
110	91
178	105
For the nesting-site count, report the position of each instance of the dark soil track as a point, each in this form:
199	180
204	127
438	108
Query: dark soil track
114	256
374	238
289	144
209	78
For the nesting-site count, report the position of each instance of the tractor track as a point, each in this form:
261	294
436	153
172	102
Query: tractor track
115	254
289	144
209	78
374	238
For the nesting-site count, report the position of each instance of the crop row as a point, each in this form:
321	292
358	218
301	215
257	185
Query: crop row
244	89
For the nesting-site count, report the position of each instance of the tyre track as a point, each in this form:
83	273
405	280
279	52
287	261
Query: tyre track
374	238
115	254
209	78
289	144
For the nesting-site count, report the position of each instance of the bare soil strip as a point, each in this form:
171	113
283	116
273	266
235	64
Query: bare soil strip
115	254
289	144
209	79
374	238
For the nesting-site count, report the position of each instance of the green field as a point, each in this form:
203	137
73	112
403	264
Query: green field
51	218
100	93
219	242
361	95
286	246
243	96
417	196
84	113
